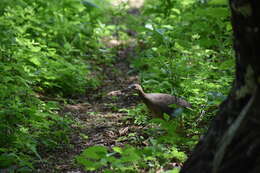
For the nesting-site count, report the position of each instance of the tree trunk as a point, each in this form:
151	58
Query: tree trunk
232	143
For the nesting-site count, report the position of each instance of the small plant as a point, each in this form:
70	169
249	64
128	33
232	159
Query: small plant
128	158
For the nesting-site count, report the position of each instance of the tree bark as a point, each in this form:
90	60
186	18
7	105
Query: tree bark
232	143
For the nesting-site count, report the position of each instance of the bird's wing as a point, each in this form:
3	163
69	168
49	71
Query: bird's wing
166	99
158	98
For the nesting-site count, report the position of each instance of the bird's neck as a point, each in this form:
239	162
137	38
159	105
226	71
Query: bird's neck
141	93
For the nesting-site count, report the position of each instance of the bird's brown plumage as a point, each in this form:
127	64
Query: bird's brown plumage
159	103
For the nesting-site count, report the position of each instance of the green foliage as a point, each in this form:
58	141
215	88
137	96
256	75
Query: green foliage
139	114
49	48
48	45
184	49
187	53
45	49
129	158
161	149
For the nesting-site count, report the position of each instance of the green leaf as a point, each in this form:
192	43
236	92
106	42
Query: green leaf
117	149
35	61
95	152
89	4
130	154
218	2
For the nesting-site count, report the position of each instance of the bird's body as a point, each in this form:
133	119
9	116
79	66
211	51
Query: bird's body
159	103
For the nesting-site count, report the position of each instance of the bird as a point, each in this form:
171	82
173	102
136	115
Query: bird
159	103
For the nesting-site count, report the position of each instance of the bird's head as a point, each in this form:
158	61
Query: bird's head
135	87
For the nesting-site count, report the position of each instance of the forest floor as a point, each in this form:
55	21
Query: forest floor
99	115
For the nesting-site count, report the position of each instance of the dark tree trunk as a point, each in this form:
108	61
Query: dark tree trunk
232	143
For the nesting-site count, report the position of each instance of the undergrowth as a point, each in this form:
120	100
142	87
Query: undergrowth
50	49
184	48
45	52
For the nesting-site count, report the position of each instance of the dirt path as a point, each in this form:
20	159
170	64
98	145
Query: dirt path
100	121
